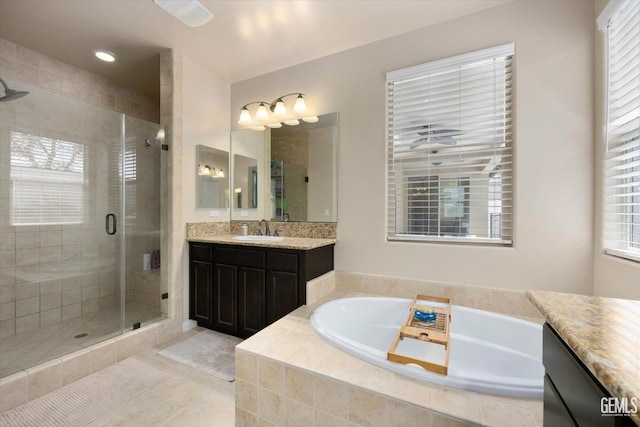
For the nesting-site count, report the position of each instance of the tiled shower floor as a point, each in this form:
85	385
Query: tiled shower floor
30	348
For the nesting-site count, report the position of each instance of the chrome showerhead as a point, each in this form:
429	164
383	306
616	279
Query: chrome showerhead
11	94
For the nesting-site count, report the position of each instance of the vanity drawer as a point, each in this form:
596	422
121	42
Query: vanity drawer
240	257
201	252
286	262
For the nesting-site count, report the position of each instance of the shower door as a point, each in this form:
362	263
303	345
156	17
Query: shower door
142	162
79	206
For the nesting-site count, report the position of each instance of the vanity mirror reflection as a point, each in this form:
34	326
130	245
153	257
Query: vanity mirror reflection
245	182
296	173
212	177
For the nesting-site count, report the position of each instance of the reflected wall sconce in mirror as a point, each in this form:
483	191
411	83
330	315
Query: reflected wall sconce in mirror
274	114
207	170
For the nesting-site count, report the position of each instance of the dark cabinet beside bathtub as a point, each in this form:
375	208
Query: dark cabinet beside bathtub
572	395
239	290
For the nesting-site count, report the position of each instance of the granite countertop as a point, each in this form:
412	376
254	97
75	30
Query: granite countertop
304	243
603	332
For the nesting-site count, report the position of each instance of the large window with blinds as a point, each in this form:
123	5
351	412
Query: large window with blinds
47	180
450	142
620	21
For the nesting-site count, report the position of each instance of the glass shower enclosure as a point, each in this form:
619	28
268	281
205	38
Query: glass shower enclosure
80	212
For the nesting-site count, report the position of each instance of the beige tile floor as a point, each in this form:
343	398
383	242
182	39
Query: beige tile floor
30	348
189	397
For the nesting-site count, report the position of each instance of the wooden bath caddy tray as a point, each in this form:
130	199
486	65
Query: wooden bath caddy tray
436	333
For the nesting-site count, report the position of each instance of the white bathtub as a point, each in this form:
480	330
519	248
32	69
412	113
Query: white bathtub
490	353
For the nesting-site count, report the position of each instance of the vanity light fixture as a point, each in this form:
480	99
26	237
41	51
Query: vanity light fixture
279	113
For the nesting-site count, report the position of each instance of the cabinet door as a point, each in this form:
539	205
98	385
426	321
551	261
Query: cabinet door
225	298
201	275
555	413
282	294
251	299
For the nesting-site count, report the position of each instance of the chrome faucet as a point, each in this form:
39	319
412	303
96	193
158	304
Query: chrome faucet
267	232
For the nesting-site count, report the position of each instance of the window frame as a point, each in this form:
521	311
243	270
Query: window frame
508	51
620	230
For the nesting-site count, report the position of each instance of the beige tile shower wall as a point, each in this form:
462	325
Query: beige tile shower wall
19	64
511	302
23	386
51	273
55	272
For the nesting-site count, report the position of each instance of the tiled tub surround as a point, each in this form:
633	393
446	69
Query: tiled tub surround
286	375
504	301
603	332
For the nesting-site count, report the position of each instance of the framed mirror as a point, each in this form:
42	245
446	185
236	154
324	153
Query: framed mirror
212	177
296	171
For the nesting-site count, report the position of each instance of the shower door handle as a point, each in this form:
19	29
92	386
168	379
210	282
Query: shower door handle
111	226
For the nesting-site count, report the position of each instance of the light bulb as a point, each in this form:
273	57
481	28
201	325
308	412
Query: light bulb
293	122
257	128
275	125
300	106
280	109
262	113
310	119
245	116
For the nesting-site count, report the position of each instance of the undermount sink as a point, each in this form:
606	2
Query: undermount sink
253	238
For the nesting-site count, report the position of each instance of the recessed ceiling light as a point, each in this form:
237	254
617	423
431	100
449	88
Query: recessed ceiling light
105	55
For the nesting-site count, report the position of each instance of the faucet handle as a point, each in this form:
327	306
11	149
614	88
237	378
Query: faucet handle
276	233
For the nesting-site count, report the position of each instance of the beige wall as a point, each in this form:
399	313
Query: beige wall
205	120
612	276
553	247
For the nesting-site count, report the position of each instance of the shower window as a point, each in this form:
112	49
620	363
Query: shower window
47	180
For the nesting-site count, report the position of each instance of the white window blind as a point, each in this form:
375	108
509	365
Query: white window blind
449	139
622	164
47	180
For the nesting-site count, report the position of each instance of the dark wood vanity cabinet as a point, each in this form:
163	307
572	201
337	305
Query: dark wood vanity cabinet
200	279
240	290
572	395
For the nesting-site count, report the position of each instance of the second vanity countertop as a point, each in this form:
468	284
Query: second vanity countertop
603	332
301	243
